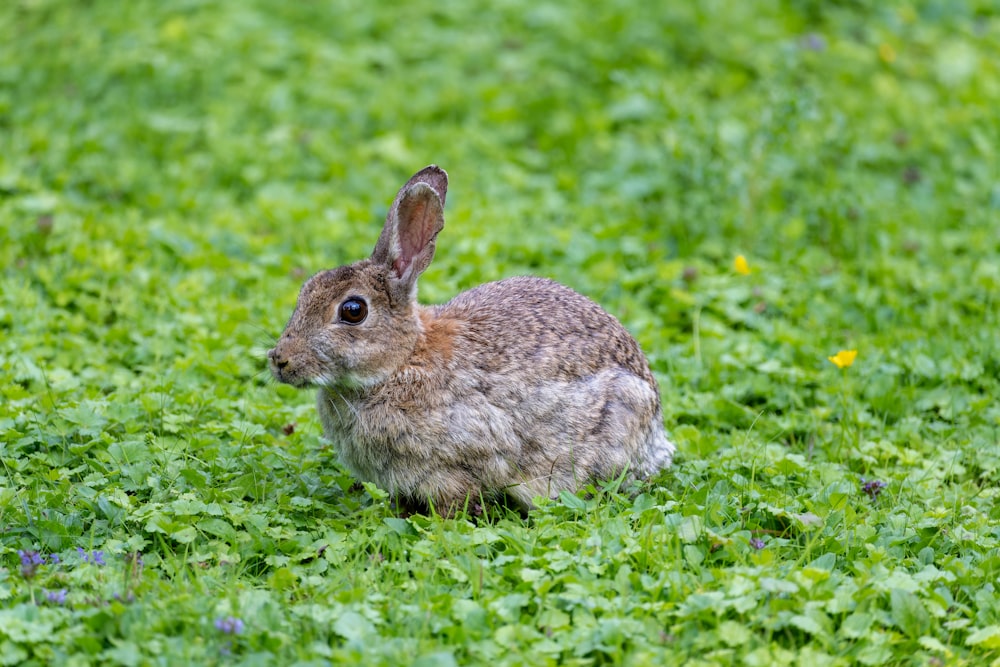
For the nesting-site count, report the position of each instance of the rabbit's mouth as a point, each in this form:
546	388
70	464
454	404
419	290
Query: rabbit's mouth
285	371
292	371
284	377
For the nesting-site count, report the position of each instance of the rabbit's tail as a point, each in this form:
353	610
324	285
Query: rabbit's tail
656	453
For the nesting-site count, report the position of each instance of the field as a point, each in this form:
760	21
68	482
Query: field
756	189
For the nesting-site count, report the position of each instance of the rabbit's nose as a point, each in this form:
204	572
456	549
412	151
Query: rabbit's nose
276	358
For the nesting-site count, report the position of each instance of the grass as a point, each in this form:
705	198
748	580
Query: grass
170	172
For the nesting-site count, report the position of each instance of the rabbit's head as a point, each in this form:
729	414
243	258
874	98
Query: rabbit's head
354	325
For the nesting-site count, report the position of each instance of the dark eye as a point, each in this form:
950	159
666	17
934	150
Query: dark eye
354	310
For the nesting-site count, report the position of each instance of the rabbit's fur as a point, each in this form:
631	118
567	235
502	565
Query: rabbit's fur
520	387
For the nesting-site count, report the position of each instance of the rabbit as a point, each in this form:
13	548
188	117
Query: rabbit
514	389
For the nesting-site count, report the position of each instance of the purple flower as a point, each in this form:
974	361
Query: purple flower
30	560
31	557
56	597
757	543
229	625
54	559
95	557
872	488
813	42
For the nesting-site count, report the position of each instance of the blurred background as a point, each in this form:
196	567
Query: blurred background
214	154
676	128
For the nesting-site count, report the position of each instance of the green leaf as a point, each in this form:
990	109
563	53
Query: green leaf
353	626
160	523
807	624
129	451
185	535
11	653
909	613
529	574
856	625
400	526
772	585
643	502
694	555
283	579
375	492
875	653
216	527
572	501
24	624
187	507
988	637
436	659
691	529
733	633
86	417
124	653
825	562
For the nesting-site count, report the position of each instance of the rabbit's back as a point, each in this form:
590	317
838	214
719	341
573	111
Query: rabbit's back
535	326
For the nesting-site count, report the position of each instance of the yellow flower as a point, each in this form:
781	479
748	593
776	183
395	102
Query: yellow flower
740	265
844	358
175	29
886	53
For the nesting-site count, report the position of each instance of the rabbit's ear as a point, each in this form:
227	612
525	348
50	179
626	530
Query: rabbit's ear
406	245
432	175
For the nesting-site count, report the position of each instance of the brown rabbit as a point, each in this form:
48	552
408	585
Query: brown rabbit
520	387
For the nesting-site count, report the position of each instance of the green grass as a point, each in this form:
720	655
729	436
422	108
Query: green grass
169	173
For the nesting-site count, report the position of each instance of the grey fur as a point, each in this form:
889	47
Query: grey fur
520	387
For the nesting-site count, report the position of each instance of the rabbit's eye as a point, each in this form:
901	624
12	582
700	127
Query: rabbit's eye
354	310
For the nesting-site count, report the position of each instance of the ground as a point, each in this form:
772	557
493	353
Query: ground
171	172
